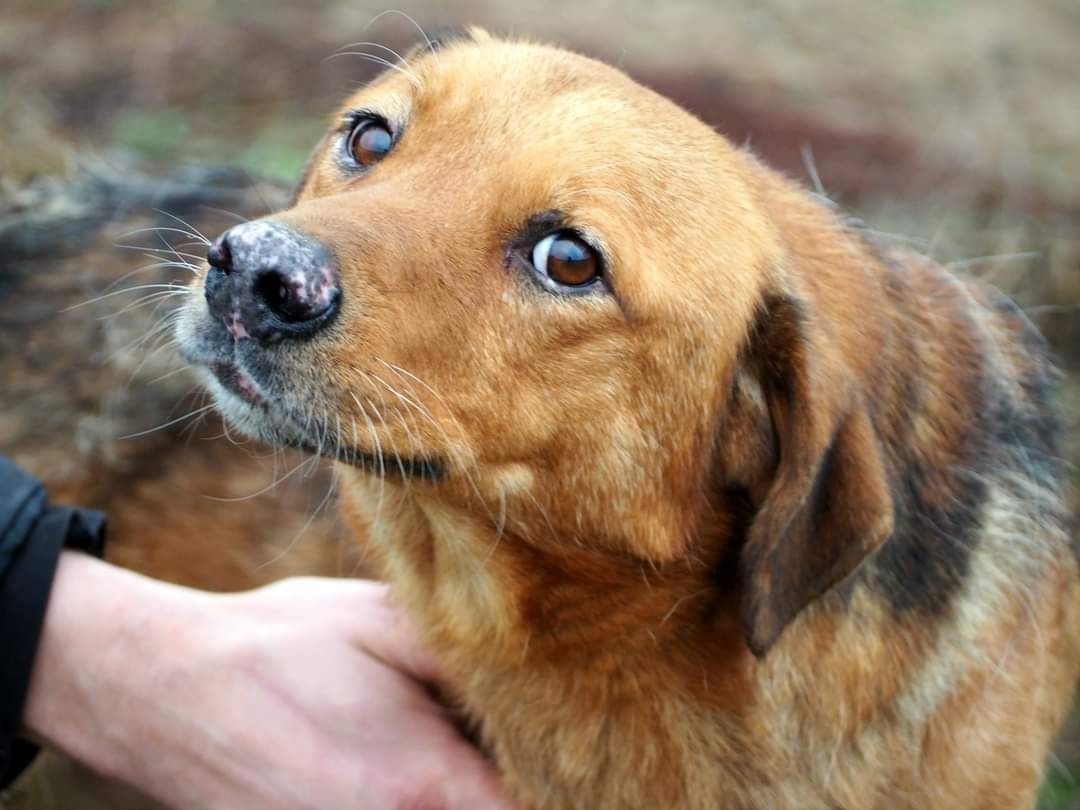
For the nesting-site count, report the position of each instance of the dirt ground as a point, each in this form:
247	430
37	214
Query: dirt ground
952	124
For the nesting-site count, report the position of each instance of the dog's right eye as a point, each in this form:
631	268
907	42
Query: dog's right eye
567	260
369	141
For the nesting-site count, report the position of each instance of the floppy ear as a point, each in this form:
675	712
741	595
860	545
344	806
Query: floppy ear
828	506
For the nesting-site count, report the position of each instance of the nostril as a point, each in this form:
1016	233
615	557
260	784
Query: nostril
219	255
290	299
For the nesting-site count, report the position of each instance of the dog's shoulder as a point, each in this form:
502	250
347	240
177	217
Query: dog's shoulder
975	430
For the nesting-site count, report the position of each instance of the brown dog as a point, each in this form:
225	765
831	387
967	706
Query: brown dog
703	499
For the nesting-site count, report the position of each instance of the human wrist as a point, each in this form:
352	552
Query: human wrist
99	665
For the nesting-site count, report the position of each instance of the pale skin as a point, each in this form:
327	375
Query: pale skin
309	693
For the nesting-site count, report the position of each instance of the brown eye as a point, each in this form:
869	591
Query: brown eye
369	141
566	259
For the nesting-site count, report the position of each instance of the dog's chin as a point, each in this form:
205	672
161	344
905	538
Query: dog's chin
248	413
253	414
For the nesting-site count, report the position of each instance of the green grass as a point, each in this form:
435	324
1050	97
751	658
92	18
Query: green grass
1060	791
270	148
154	134
280	150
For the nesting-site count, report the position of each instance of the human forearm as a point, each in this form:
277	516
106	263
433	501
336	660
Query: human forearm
99	661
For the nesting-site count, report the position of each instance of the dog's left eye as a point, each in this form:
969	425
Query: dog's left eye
566	259
369	141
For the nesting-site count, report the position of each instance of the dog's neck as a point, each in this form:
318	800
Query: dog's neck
481	590
598	643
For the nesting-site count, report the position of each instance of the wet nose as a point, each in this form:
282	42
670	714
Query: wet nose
268	282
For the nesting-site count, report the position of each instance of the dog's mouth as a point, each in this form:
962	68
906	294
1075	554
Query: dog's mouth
238	382
245	403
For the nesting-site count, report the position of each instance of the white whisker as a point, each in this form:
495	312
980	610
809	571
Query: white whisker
193	232
162	228
155	286
170	423
430	45
303	529
412	77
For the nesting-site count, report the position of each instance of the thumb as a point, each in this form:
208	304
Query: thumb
384	631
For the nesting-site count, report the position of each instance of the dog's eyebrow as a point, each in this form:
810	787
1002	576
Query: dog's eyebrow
540	225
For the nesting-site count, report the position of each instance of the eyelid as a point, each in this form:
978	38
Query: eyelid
539	226
353	118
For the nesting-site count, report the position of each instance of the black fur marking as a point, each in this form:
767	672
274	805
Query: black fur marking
938	502
929	554
939	511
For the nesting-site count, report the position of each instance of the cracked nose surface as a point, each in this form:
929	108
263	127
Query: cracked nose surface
268	282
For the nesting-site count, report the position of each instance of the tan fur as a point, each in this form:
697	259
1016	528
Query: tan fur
652	569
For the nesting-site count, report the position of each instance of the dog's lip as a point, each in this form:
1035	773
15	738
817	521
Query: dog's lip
237	381
240	383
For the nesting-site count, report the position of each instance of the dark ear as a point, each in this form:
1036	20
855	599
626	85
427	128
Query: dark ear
442	38
829	504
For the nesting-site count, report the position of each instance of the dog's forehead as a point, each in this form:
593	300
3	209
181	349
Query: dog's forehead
496	132
513	74
540	128
518	94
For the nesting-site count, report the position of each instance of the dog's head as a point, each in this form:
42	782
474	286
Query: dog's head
532	288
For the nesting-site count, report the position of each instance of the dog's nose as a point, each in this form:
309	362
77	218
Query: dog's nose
267	282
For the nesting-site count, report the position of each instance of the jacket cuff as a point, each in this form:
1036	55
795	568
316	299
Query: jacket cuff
24	596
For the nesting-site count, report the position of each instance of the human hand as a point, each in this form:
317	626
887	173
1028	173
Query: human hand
303	694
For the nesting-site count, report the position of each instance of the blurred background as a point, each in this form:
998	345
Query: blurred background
951	125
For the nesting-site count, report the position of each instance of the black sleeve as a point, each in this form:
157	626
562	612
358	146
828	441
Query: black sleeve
32	534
